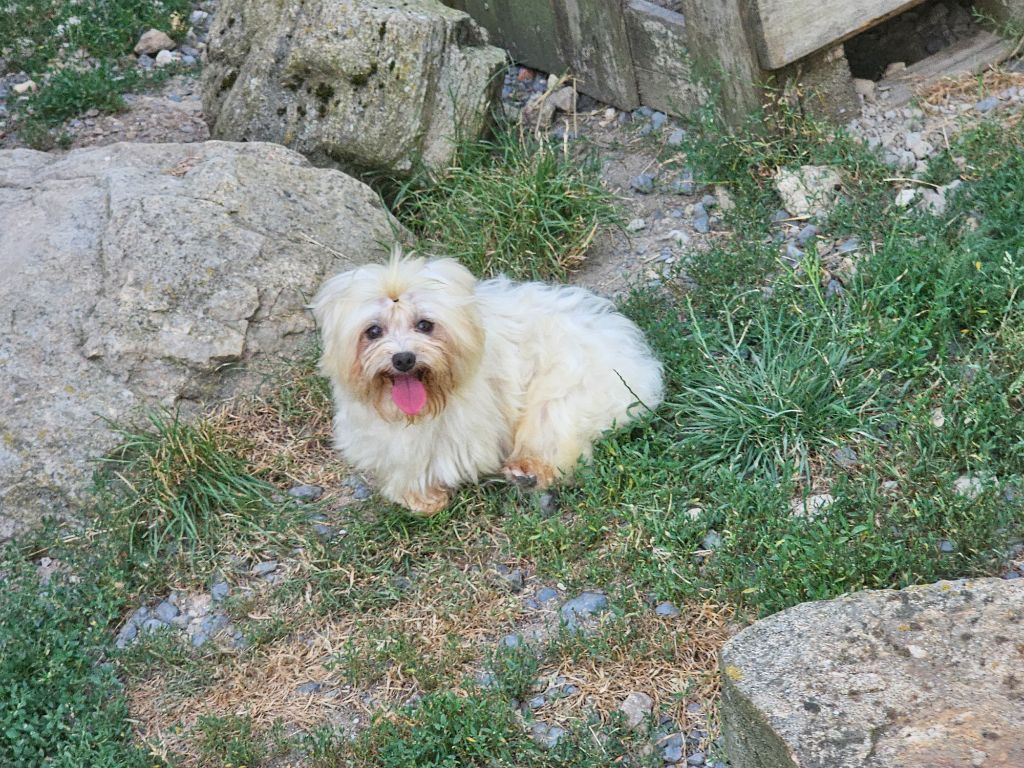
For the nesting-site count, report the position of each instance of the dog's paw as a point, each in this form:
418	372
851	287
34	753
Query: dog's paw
528	473
432	501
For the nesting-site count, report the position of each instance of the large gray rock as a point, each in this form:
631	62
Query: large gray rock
359	84
925	677
139	275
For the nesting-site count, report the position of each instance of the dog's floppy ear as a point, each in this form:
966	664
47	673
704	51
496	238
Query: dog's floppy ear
329	307
330	296
451	274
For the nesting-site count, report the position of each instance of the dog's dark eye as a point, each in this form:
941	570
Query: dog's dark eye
424	326
374	332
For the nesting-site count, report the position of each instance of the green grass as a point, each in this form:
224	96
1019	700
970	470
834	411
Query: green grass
44	38
232	741
511	205
61	702
514	669
764	385
769	395
182	491
472	729
915	370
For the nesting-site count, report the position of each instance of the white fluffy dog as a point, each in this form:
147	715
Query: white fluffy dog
439	379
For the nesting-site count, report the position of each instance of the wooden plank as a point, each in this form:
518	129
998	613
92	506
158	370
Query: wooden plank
528	31
657	39
970	55
722	55
594	45
785	31
586	38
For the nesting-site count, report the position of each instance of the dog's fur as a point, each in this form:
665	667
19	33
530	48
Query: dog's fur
517	377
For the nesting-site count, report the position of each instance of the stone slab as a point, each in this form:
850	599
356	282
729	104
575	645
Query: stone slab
925	677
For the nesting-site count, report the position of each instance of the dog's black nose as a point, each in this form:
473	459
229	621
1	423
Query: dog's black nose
403	361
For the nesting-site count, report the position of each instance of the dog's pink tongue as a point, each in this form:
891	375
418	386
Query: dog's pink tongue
409	394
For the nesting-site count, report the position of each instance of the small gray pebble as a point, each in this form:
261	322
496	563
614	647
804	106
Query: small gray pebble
644	183
360	490
219	590
709	201
666	609
698	210
264	568
845	457
849	246
676	137
697	758
325	531
702	225
834	288
947	546
548	503
512	641
310	687
213	623
199	638
531	604
658	120
582	607
570	690
165	611
779	215
546	594
537	702
693	708
807	233
676	213
987	105
793	254
643	112
306	492
546	736
672	748
152	625
128	633
713	540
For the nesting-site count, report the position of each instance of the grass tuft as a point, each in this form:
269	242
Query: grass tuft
186	487
770	394
511	205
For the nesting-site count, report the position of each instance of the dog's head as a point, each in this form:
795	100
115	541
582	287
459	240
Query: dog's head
400	337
